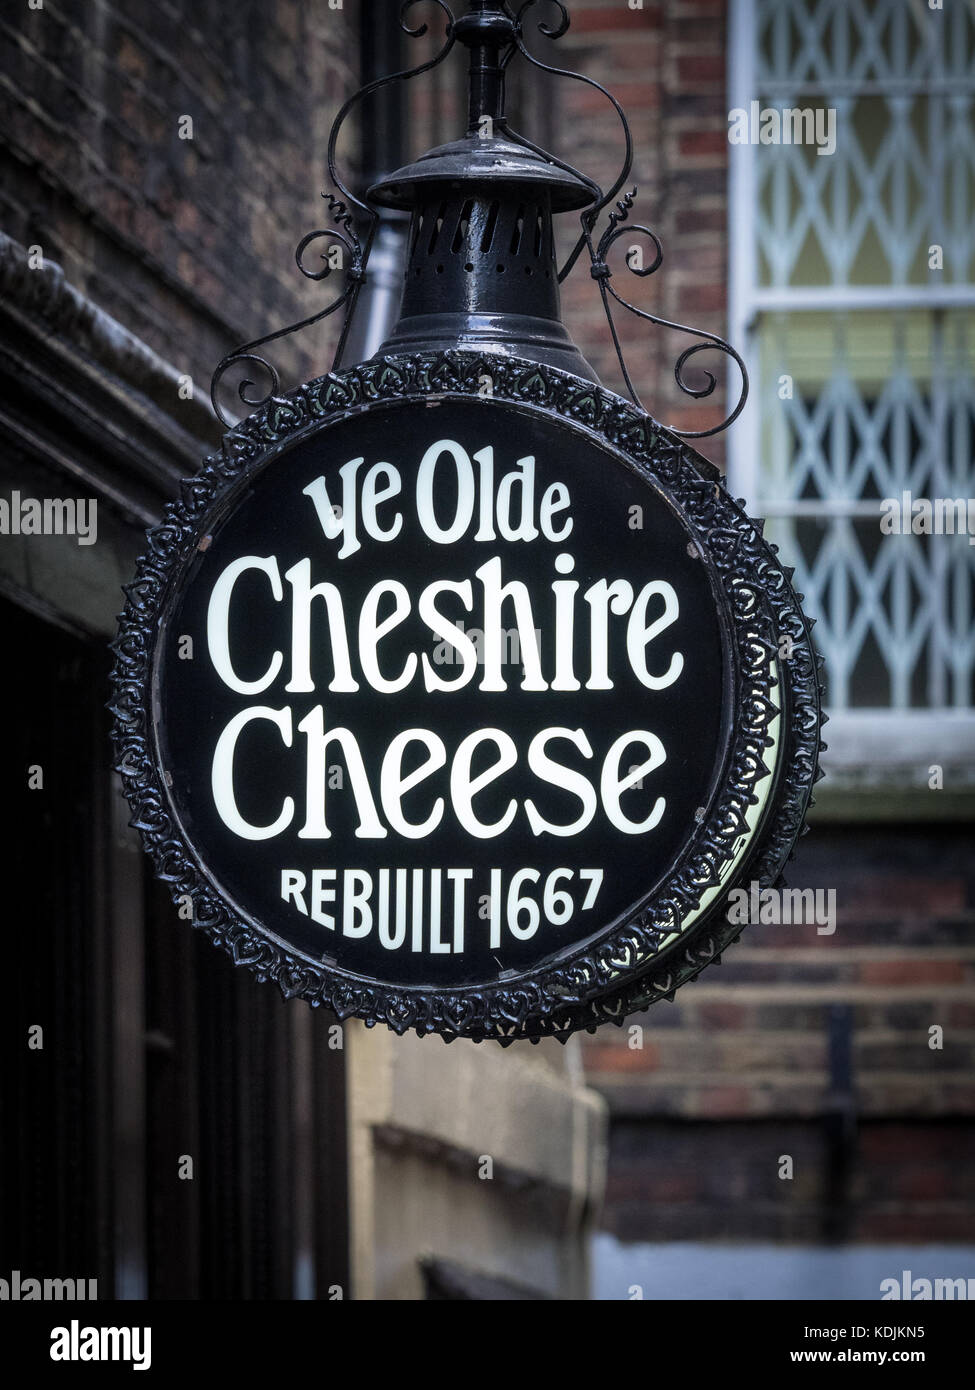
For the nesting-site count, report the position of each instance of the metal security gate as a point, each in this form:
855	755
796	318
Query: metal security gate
853	282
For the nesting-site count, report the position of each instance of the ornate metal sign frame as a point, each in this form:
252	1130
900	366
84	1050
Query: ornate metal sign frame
755	816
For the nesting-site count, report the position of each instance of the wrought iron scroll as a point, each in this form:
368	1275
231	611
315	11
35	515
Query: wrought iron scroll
357	250
602	274
599	269
600	200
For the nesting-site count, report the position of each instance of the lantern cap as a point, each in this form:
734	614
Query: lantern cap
487	164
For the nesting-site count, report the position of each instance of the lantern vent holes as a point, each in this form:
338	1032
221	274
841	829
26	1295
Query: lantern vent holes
483	235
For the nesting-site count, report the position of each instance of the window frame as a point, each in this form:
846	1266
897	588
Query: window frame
879	758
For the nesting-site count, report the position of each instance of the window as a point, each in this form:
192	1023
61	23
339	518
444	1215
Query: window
853	289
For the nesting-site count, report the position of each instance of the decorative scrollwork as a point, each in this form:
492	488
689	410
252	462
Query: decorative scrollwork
366	209
306	241
242	355
599	267
544	28
355	275
341	209
590	214
614	231
602	274
418	33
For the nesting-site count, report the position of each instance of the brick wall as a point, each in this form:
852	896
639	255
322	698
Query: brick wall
665	63
816	1046
904	1183
188	242
751	1062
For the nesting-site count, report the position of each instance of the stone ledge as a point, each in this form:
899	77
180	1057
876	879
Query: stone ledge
533	1118
46	300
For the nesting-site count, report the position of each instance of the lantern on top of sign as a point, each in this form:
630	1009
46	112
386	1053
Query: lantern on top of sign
498	694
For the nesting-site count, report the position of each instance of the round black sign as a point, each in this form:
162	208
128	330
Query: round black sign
459	696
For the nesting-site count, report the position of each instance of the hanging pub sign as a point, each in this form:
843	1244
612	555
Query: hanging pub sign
455	692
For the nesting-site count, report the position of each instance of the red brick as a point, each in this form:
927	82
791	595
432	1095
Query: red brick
696	221
701	143
656	1187
704	299
616	20
617	1056
702	70
701	8
721	1014
632	96
719	1102
910	972
917	895
922	1227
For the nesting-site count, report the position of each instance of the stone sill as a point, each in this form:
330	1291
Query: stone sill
878	764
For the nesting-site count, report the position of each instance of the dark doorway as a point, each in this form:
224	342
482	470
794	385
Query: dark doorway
180	1132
